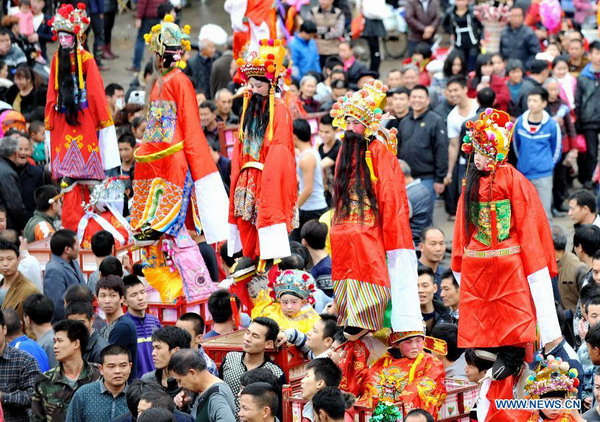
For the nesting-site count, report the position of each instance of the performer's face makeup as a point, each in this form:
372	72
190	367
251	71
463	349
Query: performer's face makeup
66	40
258	87
291	305
412	347
355	126
480	161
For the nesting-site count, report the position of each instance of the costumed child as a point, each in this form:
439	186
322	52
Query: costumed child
289	301
552	379
80	132
176	184
503	258
408	376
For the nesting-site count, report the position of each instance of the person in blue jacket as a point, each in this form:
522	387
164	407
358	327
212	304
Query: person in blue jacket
305	54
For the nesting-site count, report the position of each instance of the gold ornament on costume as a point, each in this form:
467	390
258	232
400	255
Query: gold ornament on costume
551	375
167	35
267	62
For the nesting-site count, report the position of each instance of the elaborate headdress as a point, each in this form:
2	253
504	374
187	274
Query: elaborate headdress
432	344
490	136
294	282
552	375
267	63
168	37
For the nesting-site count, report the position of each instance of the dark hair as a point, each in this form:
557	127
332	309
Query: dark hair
457	79
326	370
78	293
420	88
309	27
111	266
35	126
127	138
331	401
333	61
2	322
228	260
260	374
4	31
131	280
103	243
518	7
560	59
482	60
210	105
588	237
593	335
339	84
537	66
302	130
110	89
292	262
114	350
173	337
424	49
135	390
596	255
184	360
12	322
75	330
326	120
9	246
219	305
164	9
426	230
539	91
589	291
401	90
594	300
157	414
449	62
559	237
314	233
449	274
39	308
426	270
159	398
80	308
43	195
420	412
594	45
196	319
486	97
271	325
263	394
472	359
62	239
111	282
584	198
449	333
330	326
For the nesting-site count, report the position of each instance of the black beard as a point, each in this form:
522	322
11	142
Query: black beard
67	97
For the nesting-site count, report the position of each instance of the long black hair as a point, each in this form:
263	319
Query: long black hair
472	200
482	60
352	184
68	93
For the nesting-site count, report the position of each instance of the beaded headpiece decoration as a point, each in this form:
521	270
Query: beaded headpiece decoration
551	375
168	37
295	282
490	136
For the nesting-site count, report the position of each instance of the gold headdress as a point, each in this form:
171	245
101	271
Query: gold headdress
552	375
168	35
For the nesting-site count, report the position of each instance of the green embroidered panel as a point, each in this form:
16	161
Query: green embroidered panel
484	229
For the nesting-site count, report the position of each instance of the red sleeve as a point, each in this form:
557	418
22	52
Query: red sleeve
279	189
235	172
459	241
533	15
51	96
95	92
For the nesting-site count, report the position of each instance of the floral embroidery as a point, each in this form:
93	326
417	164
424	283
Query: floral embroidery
162	119
245	200
484	230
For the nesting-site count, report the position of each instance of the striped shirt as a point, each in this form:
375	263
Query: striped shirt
145	327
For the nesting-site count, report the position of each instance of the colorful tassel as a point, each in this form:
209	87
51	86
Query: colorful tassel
369	161
80	69
271	110
56	74
244	107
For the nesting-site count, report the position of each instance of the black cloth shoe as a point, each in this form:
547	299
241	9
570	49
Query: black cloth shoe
509	362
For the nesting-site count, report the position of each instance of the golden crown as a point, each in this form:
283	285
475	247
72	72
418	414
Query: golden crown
267	62
551	375
168	34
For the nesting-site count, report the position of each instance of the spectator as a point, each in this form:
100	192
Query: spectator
18	372
157	414
138	127
418	415
314	235
29	265
103	246
423	19
567	82
538	73
259	336
484	77
587	98
145	324
127	144
330	23
43	32
499	65
432	308
465	30
221	73
14	287
593	414
10	54
450	293
352	66
400	106
320	373
423	143
84	311
311	193
10	194
373	12
31	176
194	325
394	79
120	329
304	51
133	395
63	270
329	405
582	208
455	64
15	338
158	399
38	311
518	41
219	306
410	76
210	126
54	389
537	145
432	245
111	7
308	88
189	369
454	361
115	97
586	242
38	136
146	17
317	342
199	67
328	151
28	94
591	314
224	102
420	203
333	71
517	85
103	400
48	210
258	403
223	163
571	271
578	60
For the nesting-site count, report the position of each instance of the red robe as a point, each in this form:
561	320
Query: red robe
501	278
262	202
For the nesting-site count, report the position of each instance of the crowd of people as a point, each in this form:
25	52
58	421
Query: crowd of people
82	346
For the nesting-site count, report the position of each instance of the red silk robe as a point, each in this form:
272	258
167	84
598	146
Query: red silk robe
505	285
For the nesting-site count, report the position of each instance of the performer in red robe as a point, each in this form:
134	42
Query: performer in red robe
79	127
264	191
502	256
373	256
251	21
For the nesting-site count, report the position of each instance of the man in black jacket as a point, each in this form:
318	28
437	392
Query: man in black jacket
422	142
518	41
199	67
10	195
